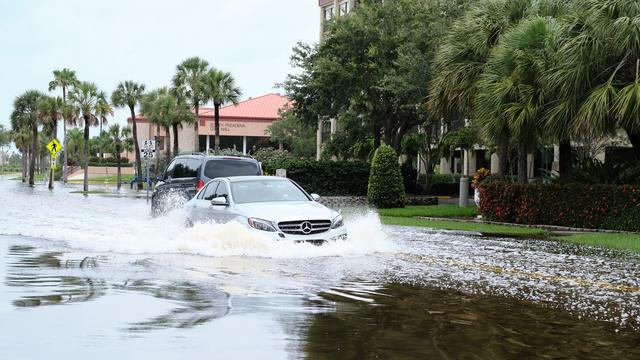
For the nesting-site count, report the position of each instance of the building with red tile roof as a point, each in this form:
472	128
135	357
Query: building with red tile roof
243	126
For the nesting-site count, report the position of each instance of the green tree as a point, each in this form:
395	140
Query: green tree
75	143
386	189
219	87
597	75
119	139
129	94
511	87
188	77
374	63
25	118
64	79
292	131
87	99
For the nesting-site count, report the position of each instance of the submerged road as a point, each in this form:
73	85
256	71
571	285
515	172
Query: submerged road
99	276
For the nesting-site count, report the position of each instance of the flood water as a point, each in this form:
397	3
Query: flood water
98	276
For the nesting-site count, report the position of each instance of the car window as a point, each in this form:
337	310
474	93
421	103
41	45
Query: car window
266	191
169	172
222	190
225	168
185	168
210	191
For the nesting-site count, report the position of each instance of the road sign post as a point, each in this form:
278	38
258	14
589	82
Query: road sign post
54	147
148	152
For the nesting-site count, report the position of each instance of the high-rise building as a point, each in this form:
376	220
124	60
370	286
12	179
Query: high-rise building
330	9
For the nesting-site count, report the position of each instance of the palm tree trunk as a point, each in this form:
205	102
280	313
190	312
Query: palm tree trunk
51	169
167	143
176	147
216	141
101	151
85	161
25	163
196	138
137	149
34	154
522	160
119	177
64	130
566	167
503	152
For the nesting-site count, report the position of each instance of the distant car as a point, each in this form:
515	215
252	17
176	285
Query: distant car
187	174
272	206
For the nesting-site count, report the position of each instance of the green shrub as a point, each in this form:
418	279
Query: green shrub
614	207
271	155
327	178
386	189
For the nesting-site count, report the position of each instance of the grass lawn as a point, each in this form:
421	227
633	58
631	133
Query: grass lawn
442	211
485	229
102	179
39	177
608	240
90	192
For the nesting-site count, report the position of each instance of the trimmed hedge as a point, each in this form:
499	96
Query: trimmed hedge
327	178
573	205
386	188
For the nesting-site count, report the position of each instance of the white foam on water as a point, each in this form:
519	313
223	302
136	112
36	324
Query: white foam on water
125	225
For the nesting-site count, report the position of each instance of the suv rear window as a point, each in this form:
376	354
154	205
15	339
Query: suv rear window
183	168
225	168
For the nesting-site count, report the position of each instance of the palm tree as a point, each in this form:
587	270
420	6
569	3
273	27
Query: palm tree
103	110
129	94
21	136
64	79
153	107
76	142
87	98
219	87
25	116
189	77
597	76
512	82
50	111
118	140
181	114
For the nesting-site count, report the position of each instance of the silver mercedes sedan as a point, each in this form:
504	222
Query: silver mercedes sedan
273	206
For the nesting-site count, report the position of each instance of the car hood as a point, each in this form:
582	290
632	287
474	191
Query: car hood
287	211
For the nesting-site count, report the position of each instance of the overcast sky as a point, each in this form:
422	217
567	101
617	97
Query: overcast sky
143	40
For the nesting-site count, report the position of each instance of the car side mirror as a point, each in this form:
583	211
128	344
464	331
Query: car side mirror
220	201
315	197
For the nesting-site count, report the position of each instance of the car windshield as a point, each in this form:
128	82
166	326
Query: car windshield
225	168
266	191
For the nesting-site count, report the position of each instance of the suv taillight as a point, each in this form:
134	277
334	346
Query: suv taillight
200	185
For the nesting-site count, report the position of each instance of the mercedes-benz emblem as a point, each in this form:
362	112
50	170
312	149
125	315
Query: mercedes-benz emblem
306	227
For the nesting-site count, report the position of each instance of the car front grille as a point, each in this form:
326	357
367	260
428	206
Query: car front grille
304	227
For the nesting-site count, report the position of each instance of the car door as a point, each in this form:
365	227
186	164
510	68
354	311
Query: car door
200	207
224	213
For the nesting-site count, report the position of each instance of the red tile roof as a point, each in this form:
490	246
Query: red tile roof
265	107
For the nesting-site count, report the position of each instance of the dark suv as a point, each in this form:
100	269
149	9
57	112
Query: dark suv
186	174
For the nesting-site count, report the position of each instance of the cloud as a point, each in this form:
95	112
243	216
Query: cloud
143	40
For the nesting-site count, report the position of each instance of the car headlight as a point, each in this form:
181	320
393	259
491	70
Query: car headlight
262	225
337	222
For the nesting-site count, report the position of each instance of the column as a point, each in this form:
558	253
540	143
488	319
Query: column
471	165
445	167
207	146
244	145
319	140
495	163
334	127
555	166
530	165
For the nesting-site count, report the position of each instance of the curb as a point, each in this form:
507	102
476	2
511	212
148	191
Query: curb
546	227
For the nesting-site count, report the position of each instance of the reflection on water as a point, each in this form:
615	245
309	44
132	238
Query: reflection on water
416	322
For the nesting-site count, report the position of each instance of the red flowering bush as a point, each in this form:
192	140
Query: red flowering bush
573	205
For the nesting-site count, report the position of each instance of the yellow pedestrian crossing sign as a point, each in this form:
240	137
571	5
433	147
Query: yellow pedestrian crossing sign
54	147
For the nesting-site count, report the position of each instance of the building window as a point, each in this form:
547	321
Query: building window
344	8
328	13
